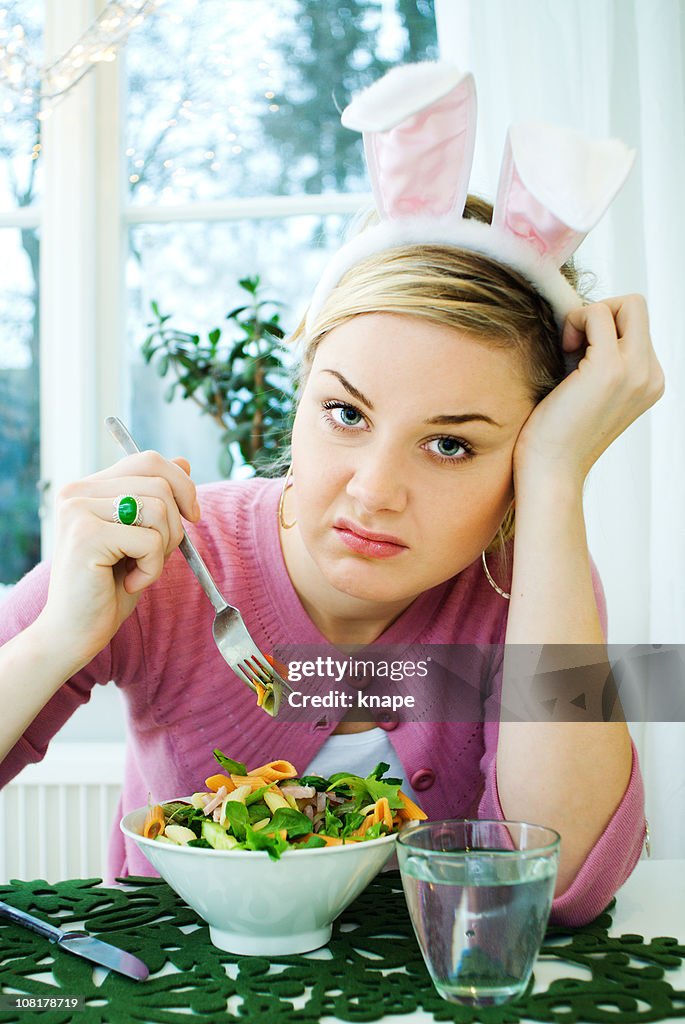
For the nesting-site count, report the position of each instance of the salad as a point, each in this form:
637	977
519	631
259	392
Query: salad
271	808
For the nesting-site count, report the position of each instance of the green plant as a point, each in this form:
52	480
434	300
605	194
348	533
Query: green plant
240	381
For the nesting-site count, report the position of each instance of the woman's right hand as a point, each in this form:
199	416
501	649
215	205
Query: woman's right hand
100	567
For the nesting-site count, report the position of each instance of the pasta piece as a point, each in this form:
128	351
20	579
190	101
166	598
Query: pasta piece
154	822
215	782
381	812
273	800
274	771
238	795
410	811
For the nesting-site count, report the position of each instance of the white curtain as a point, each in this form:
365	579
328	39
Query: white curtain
612	68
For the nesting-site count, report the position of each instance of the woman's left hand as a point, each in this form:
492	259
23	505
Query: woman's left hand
618	378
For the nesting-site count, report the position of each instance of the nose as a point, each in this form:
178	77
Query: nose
377	481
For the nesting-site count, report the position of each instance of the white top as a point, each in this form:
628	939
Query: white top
359	753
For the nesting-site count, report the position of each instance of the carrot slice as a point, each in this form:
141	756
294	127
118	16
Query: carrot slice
328	840
154	822
261	692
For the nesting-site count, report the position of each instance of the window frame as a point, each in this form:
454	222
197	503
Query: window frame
84	220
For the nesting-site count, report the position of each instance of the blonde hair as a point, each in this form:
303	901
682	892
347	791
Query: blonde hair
460	289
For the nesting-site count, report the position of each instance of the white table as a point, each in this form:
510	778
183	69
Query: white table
651	904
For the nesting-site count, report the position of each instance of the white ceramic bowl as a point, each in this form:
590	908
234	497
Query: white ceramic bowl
258	906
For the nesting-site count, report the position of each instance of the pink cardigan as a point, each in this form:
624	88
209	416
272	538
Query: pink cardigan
183	701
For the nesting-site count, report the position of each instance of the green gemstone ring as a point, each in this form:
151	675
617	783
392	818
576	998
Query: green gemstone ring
128	510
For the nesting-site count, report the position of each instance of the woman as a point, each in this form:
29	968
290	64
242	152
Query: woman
435	397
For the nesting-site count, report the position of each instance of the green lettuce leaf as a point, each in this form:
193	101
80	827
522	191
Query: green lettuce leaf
261	840
257	794
332	824
258	811
316	781
295	822
237	816
314	842
352	822
377	790
231	766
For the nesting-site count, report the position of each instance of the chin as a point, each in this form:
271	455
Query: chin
367	582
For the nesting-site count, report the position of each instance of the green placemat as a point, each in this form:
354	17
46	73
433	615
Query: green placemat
374	967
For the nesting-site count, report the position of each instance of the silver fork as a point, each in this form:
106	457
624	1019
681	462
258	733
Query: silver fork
230	632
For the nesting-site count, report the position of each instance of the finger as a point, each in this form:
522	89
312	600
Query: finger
632	323
594	325
644	370
86	516
152	464
144	546
183	463
142	488
630	314
153	516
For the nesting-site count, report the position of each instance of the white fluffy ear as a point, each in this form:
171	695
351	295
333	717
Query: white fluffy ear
555	184
419	125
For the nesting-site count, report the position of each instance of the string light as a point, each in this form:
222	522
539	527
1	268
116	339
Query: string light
98	44
28	83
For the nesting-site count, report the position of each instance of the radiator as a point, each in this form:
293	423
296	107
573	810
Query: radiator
56	816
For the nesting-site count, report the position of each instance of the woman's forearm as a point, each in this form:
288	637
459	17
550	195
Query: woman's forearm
32	668
567	774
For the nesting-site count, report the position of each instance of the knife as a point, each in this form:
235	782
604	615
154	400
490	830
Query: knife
81	943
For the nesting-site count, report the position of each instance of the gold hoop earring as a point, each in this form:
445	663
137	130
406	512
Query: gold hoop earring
288	482
492	582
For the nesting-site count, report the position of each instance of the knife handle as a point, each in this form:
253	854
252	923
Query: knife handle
28	921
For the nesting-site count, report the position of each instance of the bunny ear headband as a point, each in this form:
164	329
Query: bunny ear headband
419	129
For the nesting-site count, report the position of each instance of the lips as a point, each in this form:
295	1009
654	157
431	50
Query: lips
367	542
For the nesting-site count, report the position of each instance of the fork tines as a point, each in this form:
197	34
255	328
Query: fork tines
256	671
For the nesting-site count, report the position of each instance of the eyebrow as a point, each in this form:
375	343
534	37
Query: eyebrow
446	420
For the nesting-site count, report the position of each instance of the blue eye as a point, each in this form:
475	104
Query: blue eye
341	415
448	445
349	415
450	449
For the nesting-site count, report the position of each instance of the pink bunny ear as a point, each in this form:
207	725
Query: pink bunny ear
555	184
419	125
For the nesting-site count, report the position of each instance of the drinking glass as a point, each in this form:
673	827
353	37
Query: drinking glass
479	895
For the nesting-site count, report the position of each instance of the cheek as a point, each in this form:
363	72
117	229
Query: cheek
315	472
496	498
473	502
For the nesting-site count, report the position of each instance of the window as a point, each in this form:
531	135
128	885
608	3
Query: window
237	165
20	186
210	150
